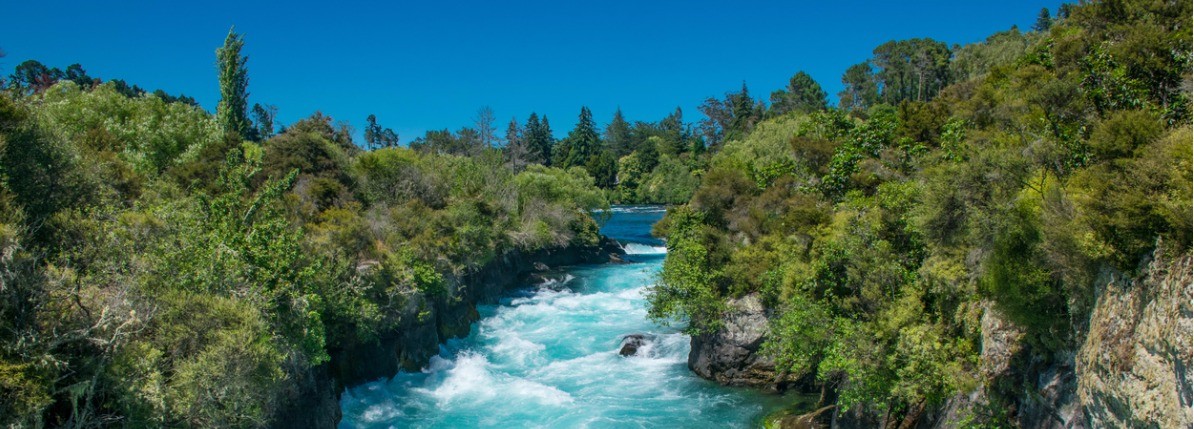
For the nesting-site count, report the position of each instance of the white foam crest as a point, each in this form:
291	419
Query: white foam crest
381	412
472	380
637	209
643	249
517	350
666	348
635	294
556	283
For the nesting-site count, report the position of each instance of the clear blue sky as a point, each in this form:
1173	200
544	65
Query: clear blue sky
432	64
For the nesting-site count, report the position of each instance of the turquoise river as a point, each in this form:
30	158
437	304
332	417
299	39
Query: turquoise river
547	356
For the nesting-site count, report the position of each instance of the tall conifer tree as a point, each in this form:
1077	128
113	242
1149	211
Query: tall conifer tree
232	111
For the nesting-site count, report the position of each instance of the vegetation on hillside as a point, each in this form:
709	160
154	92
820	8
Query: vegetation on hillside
163	266
1007	172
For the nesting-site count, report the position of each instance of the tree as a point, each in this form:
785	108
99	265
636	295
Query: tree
546	140
1043	21
604	169
914	69
861	91
803	94
730	118
76	74
747	112
231	112
124	89
538	140
31	77
485	127
672	133
617	135
263	120
581	144
517	152
469	140
377	137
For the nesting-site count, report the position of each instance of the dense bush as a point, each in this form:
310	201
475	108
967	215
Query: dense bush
879	237
157	272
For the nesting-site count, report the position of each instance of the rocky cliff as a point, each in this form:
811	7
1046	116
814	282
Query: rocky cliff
731	355
1134	368
1131	367
314	397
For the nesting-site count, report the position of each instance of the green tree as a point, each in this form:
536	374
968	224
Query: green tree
1043	21
517	151
538	140
377	137
803	94
860	90
76	74
232	110
31	77
617	135
263	120
730	118
582	142
914	69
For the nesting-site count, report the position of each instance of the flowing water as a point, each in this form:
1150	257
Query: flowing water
547	356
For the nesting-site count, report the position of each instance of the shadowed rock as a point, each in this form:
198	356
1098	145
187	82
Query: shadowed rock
632	343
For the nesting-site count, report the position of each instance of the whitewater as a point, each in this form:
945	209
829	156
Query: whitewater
546	356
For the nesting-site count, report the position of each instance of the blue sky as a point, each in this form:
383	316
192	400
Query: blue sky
432	65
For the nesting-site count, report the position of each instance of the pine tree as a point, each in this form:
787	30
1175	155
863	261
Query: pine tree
517	153
617	135
531	135
377	137
545	140
1043	21
231	112
581	144
372	132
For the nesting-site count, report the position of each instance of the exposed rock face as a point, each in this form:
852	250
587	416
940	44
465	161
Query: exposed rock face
1134	368
314	402
425	324
730	356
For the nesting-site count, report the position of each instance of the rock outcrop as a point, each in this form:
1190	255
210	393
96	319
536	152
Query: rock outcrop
1134	368
731	355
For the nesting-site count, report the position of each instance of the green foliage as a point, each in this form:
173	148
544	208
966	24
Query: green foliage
1006	178
210	361
232	111
147	132
670	182
1016	276
158	271
803	94
687	286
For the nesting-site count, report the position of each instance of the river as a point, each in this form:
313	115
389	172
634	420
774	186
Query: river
547	356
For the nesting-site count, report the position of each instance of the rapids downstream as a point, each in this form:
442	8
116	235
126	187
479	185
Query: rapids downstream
547	356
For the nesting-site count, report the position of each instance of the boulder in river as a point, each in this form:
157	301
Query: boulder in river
631	343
